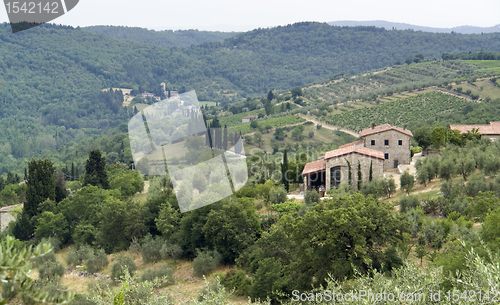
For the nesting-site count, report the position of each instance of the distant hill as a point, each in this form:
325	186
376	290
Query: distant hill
166	38
52	76
465	29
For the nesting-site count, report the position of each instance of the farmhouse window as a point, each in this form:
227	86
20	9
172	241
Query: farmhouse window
400	142
373	142
386	142
386	156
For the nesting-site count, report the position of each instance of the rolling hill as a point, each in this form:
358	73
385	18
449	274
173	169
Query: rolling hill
52	76
464	29
166	38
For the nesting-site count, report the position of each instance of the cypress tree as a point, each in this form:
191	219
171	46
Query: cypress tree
349	172
360	178
225	138
270	95
40	186
284	169
72	171
95	170
371	171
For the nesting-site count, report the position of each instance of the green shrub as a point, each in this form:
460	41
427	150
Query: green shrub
162	272
434	233
376	187
277	195
407	203
81	300
40	260
8	291
237	280
96	261
121	261
75	256
135	246
54	242
50	271
460	205
206	262
312	197
173	251
151	248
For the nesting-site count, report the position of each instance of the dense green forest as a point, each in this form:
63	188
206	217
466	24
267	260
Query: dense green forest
166	38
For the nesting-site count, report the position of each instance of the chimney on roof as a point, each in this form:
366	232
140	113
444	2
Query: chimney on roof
373	125
391	124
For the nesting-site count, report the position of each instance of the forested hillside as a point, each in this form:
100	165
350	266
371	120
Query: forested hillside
166	38
53	76
465	29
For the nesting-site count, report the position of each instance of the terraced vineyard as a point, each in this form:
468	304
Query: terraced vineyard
274	122
235	119
407	112
398	79
487	66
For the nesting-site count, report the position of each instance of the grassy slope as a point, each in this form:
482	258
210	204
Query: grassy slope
186	286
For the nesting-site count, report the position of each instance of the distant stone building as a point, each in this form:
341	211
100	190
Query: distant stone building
147	94
491	130
6	217
380	148
248	118
344	165
393	141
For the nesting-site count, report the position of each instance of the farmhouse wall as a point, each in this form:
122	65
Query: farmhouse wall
354	158
396	152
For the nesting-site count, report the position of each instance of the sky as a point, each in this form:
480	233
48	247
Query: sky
241	15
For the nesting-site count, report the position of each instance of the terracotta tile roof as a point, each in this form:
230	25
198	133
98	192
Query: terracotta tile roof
314	167
10	207
491	129
354	149
320	165
385	127
252	116
358	142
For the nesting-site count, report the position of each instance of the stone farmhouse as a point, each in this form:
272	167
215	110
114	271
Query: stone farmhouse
491	130
381	148
248	118
393	141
